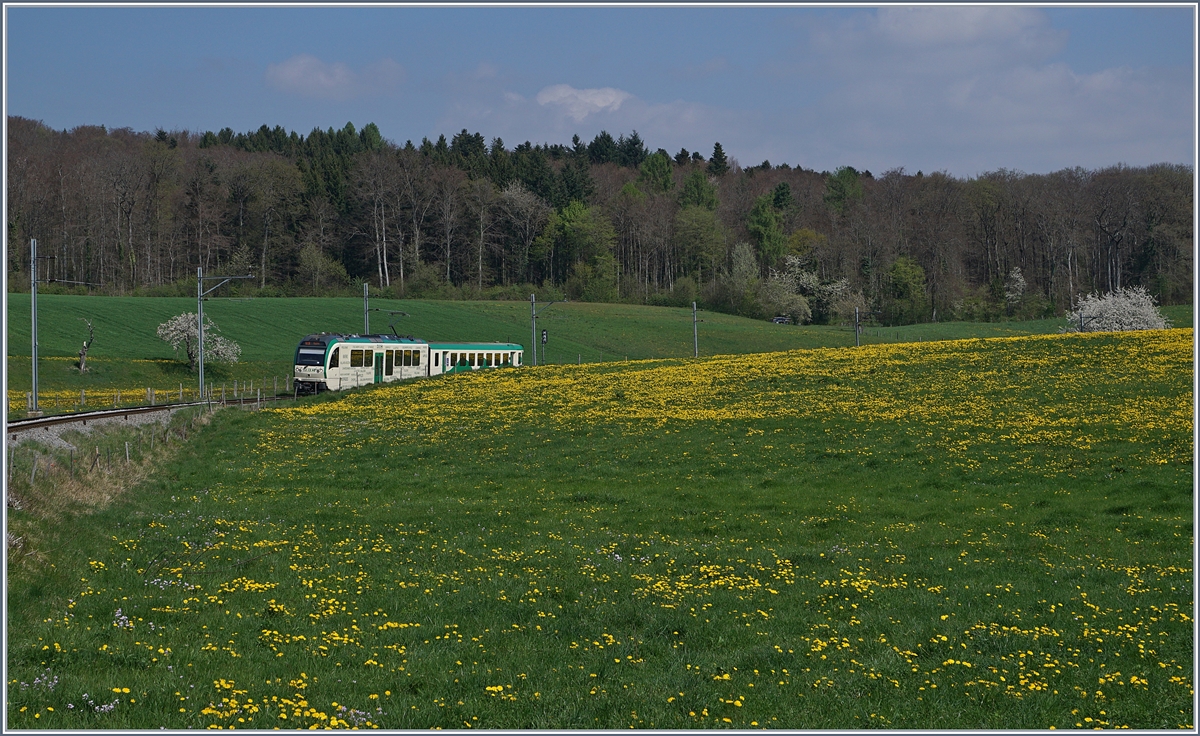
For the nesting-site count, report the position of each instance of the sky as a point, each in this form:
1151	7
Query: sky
964	89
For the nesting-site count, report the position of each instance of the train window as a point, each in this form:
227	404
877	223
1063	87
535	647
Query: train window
435	358
489	360
416	357
368	358
356	358
453	359
387	362
471	359
310	356
408	357
333	358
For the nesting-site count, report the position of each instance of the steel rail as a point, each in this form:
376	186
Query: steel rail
22	425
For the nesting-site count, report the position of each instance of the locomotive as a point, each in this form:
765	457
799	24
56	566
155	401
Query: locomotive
331	361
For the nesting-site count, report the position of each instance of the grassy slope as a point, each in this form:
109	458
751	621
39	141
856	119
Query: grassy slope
268	330
815	542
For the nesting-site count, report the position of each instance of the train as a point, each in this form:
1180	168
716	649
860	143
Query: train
331	361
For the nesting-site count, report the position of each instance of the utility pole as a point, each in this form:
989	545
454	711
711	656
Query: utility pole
533	314
34	410
695	334
200	294
366	309
856	328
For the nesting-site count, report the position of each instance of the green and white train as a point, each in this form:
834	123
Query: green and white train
332	362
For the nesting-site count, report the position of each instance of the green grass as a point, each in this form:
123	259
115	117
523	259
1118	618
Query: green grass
812	540
269	329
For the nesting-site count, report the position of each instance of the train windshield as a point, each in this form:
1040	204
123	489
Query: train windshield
310	356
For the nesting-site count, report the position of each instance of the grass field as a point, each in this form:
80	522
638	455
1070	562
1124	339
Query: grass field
968	534
127	356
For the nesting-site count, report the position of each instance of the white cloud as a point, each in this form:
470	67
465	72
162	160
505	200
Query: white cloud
308	76
560	111
958	26
579	103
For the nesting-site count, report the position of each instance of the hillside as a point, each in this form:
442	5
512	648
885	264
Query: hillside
959	535
126	355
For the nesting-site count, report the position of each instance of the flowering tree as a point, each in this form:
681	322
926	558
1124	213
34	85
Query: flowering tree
1014	287
1128	308
180	333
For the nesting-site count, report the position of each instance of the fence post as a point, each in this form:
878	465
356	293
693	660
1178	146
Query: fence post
126	453
82	398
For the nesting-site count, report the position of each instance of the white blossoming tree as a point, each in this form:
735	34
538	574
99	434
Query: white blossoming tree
181	333
1127	308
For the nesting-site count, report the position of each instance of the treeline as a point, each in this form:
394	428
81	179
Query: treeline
608	220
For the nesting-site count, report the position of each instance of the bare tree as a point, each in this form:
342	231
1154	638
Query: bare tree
526	213
374	181
87	345
448	184
279	198
413	191
481	201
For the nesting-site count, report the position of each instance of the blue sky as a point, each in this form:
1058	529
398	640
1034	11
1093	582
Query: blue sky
960	89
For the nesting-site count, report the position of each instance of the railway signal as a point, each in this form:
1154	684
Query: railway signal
533	315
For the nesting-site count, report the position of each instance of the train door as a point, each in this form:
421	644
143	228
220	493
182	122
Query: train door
379	367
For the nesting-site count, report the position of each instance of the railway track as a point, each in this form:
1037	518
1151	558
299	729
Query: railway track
23	425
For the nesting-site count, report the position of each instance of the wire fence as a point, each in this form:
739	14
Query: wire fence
67	401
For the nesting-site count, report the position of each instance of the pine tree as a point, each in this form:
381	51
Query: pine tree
631	151
717	165
603	149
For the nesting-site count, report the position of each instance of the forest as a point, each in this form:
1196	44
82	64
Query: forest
116	211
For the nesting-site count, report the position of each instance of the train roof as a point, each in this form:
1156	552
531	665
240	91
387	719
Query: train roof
475	346
328	338
325	339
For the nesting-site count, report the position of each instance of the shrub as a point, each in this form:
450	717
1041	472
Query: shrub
1128	308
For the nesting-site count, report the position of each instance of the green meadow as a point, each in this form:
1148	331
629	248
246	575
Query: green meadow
980	533
126	354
